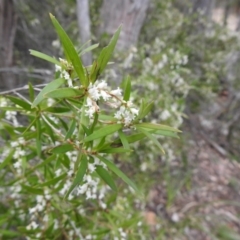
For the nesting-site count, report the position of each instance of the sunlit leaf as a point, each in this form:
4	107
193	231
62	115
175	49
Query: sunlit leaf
63	148
127	90
103	173
156	126
80	173
70	51
50	87
25	105
102	132
118	172
44	57
151	137
104	57
123	139
71	129
64	93
114	150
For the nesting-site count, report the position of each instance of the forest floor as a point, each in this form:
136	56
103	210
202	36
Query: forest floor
207	206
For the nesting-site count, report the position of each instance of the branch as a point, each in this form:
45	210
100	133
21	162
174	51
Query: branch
27	70
22	89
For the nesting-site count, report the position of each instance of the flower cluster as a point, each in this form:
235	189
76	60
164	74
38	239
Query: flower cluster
100	91
64	70
19	153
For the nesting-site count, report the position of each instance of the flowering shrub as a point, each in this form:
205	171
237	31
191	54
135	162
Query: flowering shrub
56	163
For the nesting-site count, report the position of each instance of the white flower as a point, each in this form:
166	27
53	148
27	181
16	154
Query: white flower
91	168
32	210
104	95
165	115
14	144
94	93
117	92
3	102
17	164
134	111
57	68
101	85
89	112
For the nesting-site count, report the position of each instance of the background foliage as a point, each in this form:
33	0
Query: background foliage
187	66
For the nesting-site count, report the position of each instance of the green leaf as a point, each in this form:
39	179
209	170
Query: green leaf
165	133
70	51
127	90
53	181
123	139
31	92
118	172
71	129
114	150
156	127
150	136
44	57
20	102
102	132
104	57
38	137
57	109
10	234
32	190
7	160
80	173
64	93
88	49
84	120
42	164
63	148
145	109
106	177
50	87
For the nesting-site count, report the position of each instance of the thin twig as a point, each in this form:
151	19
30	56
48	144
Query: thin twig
21	89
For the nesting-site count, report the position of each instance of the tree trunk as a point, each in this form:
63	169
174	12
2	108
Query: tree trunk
206	6
8	22
84	27
129	13
226	12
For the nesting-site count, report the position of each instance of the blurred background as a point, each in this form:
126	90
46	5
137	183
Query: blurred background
182	54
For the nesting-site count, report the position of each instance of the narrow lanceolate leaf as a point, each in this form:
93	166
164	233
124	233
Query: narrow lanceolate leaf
127	90
31	92
42	164
100	64
64	93
88	49
145	110
32	190
151	137
106	177
71	129
53	181
70	51
84	120
102	132
80	173
115	150
44	57
50	87
21	103
118	172
6	160
156	127
165	133
62	148
123	139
